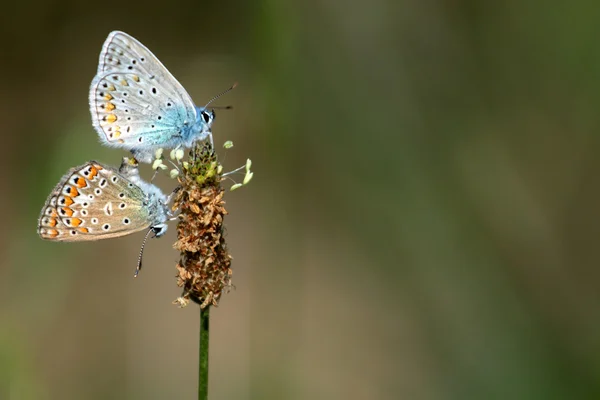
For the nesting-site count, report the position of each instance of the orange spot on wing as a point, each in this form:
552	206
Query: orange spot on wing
67	211
124	83
53	213
75	222
136	78
84	230
117	134
52	233
81	183
52	222
68	201
93	172
111	118
74	192
110	107
108	97
111	88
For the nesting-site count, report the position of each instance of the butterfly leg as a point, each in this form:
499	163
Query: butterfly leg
173	193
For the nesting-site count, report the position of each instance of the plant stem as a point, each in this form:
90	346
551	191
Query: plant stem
203	354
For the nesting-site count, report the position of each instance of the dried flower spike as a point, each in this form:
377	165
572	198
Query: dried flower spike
204	270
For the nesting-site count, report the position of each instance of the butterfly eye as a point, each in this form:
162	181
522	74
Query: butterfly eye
206	117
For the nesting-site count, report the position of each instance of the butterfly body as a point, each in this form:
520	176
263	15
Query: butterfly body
95	201
136	104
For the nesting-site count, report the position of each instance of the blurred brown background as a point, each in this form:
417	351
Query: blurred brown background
423	222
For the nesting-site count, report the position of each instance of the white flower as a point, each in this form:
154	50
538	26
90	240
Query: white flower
157	163
248	177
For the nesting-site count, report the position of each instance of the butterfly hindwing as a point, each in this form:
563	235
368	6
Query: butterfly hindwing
94	202
135	102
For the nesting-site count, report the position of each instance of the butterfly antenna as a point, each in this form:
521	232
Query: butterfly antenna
139	264
221	94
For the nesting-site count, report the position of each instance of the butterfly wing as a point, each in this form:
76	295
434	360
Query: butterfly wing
94	202
135	102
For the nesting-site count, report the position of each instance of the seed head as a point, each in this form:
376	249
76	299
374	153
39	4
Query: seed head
204	269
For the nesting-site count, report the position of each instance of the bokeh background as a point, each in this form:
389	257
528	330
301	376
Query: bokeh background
423	221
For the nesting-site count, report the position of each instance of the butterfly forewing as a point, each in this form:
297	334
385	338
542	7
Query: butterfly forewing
93	202
134	99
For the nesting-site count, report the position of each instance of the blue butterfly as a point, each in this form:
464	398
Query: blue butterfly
136	104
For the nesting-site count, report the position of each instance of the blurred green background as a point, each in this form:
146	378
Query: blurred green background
422	224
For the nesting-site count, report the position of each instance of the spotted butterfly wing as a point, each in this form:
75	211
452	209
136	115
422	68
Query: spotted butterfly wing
94	202
135	102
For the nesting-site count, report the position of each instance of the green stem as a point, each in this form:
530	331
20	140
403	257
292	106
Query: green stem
203	355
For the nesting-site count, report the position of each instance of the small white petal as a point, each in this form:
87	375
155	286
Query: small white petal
172	154
162	166
174	172
157	163
219	169
236	186
158	153
248	177
228	144
179	154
